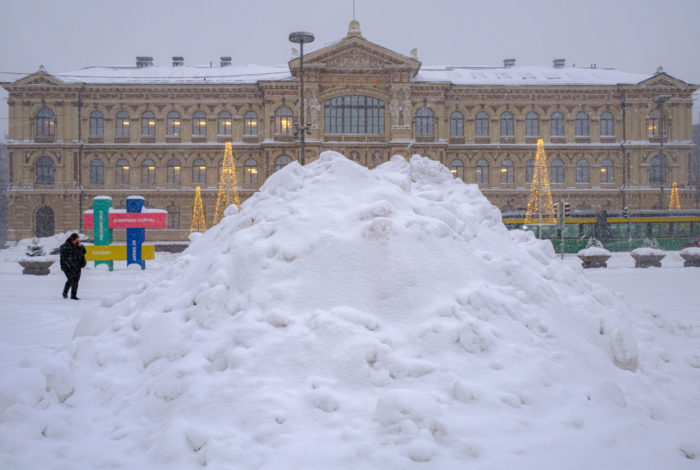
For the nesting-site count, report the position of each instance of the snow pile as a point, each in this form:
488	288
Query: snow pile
350	318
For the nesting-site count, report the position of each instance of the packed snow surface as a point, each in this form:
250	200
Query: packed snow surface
349	318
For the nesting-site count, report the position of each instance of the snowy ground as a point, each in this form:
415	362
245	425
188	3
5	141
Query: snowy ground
354	319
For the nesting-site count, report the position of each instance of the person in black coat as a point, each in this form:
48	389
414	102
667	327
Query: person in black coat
72	261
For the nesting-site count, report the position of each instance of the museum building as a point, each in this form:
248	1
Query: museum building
612	139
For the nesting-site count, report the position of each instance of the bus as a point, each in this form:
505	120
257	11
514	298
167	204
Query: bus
618	231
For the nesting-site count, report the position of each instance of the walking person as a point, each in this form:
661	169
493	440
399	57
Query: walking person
72	261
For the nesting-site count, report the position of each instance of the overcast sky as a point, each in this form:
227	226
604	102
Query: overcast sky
629	35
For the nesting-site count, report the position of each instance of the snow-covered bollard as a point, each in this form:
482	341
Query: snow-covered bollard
691	257
646	256
37	263
594	255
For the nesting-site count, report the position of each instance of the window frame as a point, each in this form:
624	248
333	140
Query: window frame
457	168
607	172
97	171
556	125
507	124
583	172
284	121
354	115
199	124
148	124
583	128
250	124
174	124
97	124
45	170
280	163
507	176
557	172
122	174
148	171
122	125
45	123
199	174
532	124
607	125
457	125
425	122
250	172
481	124
481	172
174	171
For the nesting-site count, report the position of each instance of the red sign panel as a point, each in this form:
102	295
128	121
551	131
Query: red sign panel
88	219
138	219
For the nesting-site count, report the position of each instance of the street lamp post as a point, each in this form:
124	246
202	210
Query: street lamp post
660	100
301	37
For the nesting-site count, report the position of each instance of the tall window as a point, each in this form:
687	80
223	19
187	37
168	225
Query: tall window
281	162
174	124
557	125
424	122
225	122
606	172
173	219
148	124
532	124
656	172
283	118
582	172
250	123
97	171
148	172
199	124
97	124
122	124
44	170
122	172
354	114
482	124
653	122
456	125
251	171
457	169
482	172
45	123
606	125
174	170
529	171
507	172
557	172
507	125
582	125
199	172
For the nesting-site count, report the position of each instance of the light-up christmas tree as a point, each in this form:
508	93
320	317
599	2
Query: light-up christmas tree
675	202
198	223
540	209
228	187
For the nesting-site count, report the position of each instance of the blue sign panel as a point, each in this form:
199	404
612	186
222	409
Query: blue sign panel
135	236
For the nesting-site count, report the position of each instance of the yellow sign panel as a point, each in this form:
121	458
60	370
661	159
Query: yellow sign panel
115	252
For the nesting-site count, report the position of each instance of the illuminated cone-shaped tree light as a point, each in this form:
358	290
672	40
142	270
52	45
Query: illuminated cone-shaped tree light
540	208
675	202
198	224
228	187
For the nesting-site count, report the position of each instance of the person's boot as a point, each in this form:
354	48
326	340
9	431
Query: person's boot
65	294
75	298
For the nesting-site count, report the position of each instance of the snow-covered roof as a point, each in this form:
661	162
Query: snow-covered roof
177	75
527	75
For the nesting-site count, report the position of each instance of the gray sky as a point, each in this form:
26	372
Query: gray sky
629	35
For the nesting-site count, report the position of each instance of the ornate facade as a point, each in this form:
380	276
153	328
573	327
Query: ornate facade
160	132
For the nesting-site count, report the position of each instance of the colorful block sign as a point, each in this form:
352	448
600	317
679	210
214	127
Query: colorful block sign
103	219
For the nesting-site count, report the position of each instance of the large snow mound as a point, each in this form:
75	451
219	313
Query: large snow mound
355	318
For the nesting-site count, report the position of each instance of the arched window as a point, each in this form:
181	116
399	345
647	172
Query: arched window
225	123
45	123
653	122
199	124
532	124
529	171
174	124
507	129
283	118
656	170
199	172
122	124
482	124
174	171
557	172
507	172
173	220
606	172
606	125
457	125
148	172
44	223
97	124
281	162
122	172
457	169
354	114
424	122
557	125
250	123
582	172
44	170
582	129
148	124
482	172
97	171
251	171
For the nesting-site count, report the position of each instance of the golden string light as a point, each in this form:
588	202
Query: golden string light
228	186
540	208
675	202
198	224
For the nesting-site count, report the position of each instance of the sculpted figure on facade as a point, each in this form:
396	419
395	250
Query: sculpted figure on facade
314	109
394	110
407	110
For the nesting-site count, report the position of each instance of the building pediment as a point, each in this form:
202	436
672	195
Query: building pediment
356	54
39	78
664	80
